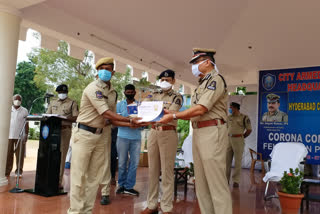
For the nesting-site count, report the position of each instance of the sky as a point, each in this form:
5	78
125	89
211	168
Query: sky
25	47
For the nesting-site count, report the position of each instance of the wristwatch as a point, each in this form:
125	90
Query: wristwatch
174	116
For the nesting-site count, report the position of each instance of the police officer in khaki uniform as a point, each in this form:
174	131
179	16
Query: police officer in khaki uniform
162	147
208	115
274	114
67	107
91	144
239	127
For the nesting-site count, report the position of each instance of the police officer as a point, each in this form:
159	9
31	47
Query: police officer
239	127
274	114
91	138
67	107
162	147
208	115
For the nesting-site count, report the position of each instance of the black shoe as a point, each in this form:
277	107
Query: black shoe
120	190
131	192
105	200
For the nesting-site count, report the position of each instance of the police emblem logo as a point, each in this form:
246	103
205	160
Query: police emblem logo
178	102
212	85
45	132
99	94
166	74
268	81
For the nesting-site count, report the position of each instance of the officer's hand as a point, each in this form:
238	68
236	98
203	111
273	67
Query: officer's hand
145	124
166	118
135	120
134	126
166	111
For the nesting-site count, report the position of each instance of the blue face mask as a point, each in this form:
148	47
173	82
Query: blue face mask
105	75
230	110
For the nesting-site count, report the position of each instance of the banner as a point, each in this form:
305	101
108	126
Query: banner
289	110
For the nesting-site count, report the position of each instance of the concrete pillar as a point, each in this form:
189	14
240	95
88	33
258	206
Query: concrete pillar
9	33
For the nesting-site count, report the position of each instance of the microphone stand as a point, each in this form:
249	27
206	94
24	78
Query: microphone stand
17	189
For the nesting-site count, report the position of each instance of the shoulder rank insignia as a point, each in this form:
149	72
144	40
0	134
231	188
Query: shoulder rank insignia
178	101
99	94
212	85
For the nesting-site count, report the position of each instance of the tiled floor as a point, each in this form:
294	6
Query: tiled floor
248	199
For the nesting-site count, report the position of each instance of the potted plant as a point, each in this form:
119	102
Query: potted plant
290	196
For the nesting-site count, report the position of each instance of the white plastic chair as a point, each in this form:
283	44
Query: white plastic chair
283	157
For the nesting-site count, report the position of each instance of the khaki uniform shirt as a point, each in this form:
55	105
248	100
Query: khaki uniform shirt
172	101
279	116
238	123
66	107
97	98
212	94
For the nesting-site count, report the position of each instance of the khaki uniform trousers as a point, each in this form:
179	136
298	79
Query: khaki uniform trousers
106	179
236	151
162	149
87	165
11	152
209	148
64	146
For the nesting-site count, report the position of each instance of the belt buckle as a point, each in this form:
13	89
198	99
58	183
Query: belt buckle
195	124
98	131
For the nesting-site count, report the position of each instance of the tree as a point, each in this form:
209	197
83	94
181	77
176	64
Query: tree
119	81
25	86
57	67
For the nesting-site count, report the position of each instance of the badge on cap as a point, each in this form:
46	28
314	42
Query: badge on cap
99	94
166	74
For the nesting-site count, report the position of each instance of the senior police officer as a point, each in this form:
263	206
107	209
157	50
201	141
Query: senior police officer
208	115
162	147
91	144
67	107
274	114
239	127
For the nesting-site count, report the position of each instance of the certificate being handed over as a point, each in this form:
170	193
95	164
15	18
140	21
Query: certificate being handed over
150	111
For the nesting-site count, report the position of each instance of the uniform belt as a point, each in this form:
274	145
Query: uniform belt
90	129
163	128
235	135
206	123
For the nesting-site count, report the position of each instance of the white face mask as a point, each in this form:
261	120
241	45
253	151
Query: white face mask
17	102
164	85
195	69
62	96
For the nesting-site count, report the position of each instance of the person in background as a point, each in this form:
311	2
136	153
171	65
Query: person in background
67	107
162	147
128	147
17	122
239	127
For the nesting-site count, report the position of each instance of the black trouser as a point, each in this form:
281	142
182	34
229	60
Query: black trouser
114	155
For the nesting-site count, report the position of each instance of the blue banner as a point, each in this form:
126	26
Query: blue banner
289	110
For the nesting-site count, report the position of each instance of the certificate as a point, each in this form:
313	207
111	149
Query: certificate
150	111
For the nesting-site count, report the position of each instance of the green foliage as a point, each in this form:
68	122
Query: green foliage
33	134
291	182
119	81
183	129
25	85
57	67
143	83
